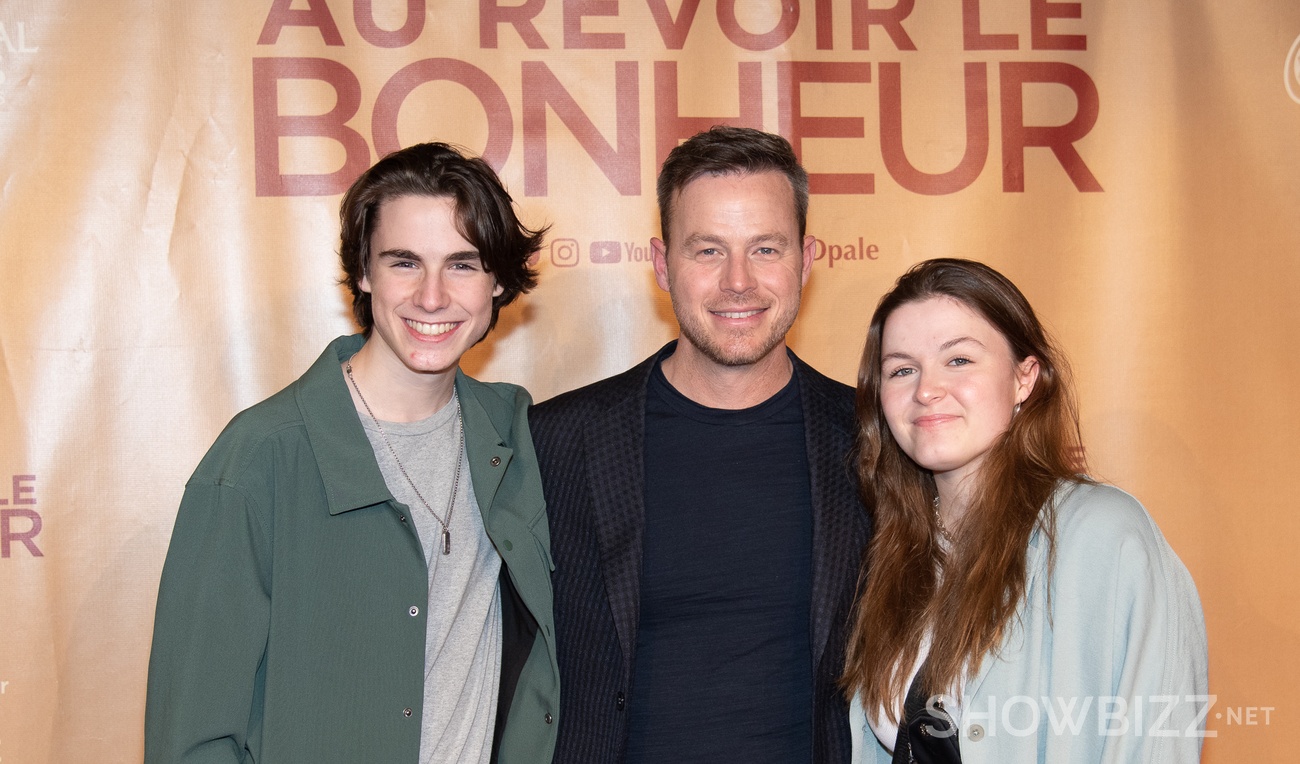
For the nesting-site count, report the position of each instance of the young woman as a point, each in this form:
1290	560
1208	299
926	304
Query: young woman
1012	610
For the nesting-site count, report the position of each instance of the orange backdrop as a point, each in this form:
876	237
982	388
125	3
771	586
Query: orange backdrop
172	174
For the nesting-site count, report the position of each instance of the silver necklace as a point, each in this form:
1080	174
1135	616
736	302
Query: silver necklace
455	482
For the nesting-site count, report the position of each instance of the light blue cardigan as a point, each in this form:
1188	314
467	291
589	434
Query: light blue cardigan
1112	639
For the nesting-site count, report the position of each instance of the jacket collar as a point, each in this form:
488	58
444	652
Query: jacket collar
347	464
615	439
483	440
839	525
348	469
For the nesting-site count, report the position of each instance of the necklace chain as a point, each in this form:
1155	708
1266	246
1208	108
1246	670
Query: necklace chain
938	521
455	483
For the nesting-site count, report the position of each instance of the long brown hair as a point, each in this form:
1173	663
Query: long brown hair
964	597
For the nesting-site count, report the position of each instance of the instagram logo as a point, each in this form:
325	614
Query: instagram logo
564	253
604	252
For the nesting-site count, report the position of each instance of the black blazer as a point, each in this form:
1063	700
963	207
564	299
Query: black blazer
590	447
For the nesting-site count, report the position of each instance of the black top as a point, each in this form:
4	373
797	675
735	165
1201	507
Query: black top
724	661
591	450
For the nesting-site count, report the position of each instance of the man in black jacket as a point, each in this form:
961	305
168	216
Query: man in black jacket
705	522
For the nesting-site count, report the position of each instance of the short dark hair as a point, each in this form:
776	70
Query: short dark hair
484	212
724	150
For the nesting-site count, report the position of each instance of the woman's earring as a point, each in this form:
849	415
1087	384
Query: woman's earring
1015	410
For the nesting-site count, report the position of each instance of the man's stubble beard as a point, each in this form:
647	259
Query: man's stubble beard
748	353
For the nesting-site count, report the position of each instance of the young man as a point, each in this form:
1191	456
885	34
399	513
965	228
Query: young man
707	527
359	569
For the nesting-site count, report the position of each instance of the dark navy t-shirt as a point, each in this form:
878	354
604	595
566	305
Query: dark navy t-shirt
724	660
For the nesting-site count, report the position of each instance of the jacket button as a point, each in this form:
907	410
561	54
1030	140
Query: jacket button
548	717
406	712
496	461
976	732
508	546
414	611
620	701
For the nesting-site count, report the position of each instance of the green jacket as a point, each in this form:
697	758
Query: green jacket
291	613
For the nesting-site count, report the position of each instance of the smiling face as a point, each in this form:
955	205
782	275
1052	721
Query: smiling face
949	385
430	297
735	267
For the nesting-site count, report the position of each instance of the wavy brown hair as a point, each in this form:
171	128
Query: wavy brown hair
965	597
484	215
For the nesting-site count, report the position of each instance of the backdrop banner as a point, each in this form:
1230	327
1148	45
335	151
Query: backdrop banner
172	176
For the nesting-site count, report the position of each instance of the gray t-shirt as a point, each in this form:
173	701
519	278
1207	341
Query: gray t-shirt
462	652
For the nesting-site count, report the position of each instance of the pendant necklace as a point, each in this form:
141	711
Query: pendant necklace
460	450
